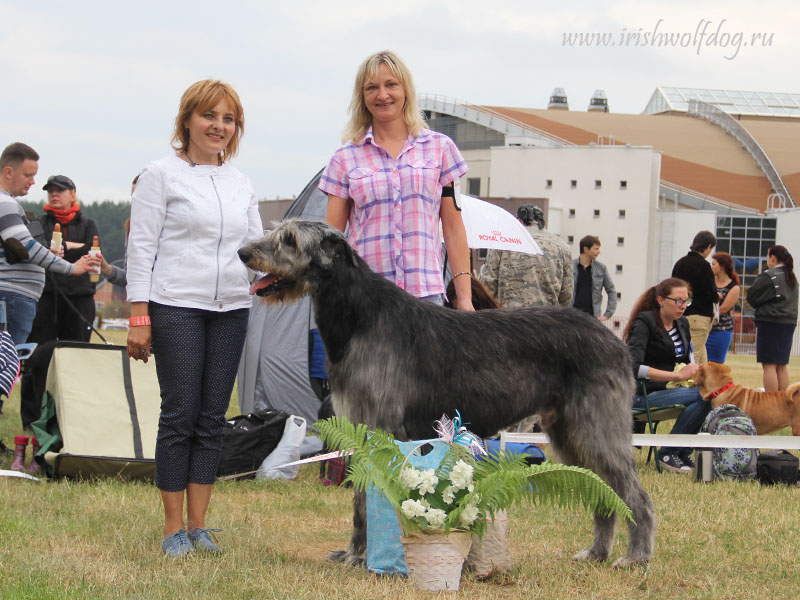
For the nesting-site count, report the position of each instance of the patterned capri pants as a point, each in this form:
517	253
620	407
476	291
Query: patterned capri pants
197	356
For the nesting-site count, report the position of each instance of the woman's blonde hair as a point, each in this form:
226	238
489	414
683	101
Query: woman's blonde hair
200	97
360	117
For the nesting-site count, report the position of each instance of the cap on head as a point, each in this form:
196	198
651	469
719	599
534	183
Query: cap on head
59	181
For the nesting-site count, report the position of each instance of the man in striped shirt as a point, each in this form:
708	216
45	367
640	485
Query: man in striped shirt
23	260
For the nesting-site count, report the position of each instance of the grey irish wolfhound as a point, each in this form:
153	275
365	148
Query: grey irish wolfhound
397	363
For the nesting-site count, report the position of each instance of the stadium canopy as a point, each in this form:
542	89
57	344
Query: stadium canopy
733	102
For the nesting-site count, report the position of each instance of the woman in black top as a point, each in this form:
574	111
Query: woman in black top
774	296
658	339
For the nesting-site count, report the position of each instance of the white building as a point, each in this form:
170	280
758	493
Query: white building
644	184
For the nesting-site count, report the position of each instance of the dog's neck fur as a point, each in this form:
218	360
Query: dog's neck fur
333	300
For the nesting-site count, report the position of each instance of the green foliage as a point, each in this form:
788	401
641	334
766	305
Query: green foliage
462	491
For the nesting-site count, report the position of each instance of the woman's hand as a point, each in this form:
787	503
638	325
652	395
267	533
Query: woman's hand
73	245
687	372
105	268
139	342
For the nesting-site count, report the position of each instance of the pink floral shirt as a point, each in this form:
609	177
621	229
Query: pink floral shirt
394	221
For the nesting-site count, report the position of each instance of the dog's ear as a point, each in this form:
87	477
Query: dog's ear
335	246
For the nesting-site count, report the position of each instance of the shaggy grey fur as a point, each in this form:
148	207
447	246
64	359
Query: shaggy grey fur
398	364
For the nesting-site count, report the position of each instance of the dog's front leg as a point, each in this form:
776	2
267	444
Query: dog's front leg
355	555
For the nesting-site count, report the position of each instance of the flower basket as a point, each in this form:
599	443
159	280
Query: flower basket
434	560
460	495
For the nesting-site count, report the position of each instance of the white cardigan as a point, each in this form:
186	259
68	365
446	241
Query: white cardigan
186	225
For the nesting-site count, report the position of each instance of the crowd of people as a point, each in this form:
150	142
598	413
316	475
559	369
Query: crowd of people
389	187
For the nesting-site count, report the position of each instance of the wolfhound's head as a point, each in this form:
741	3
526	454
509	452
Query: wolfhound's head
294	256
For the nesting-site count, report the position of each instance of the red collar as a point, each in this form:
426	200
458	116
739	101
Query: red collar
727	386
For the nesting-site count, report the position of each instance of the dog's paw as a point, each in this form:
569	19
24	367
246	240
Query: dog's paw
346	558
630	563
589	554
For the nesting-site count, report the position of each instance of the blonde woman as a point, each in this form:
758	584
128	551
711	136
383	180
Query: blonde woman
191	211
393	182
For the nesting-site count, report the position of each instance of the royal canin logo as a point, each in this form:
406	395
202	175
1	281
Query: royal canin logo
497	236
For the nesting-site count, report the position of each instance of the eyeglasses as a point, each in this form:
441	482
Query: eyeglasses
680	302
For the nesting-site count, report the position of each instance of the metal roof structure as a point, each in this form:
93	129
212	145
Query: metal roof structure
733	102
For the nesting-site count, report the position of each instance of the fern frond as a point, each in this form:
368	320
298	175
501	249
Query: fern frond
555	484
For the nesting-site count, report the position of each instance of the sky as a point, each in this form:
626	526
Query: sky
94	86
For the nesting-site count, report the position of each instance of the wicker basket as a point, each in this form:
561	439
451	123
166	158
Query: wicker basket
434	560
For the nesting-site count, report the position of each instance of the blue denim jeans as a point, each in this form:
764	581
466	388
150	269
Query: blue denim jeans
20	311
692	417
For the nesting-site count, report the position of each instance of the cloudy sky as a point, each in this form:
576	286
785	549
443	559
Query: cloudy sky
94	86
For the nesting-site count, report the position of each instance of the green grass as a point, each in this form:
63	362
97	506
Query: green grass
100	539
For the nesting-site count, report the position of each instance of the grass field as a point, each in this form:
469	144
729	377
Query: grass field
100	539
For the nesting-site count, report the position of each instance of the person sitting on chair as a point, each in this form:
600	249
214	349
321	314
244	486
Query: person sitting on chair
658	339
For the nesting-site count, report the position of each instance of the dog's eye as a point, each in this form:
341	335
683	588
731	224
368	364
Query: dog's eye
290	242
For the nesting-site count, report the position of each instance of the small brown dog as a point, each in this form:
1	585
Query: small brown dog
770	411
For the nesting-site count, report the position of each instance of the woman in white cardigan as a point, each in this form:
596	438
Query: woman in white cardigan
190	213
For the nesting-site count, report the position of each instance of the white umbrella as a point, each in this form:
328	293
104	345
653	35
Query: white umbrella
489	226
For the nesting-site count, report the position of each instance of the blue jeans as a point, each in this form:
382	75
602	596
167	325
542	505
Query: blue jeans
20	311
692	417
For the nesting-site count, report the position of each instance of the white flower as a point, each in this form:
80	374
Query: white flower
461	475
436	517
448	494
412	508
410	477
469	515
427	482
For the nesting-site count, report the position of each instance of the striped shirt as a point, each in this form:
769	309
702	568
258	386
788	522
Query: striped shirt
394	220
25	277
677	341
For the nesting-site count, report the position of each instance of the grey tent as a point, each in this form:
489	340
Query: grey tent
274	372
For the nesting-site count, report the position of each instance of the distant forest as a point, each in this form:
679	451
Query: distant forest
109	216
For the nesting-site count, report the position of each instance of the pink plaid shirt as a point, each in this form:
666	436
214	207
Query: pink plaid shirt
394	221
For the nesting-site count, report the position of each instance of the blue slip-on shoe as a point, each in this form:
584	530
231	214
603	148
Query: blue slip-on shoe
203	540
177	545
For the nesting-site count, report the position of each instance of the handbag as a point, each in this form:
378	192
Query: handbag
778	466
248	439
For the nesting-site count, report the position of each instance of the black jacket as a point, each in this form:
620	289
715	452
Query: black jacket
649	344
695	270
773	299
80	229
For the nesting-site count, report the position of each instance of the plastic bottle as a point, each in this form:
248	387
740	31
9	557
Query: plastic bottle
94	274
55	241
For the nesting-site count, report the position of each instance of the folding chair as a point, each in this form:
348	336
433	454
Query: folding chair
654	415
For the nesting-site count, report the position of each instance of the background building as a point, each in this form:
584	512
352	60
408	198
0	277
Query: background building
726	161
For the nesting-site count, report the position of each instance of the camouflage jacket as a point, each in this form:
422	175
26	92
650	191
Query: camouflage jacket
517	279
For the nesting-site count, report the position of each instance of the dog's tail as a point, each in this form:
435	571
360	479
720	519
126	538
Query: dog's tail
793	392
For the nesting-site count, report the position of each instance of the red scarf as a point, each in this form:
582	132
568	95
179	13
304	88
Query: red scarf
64	216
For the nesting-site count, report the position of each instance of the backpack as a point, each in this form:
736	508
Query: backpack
731	463
778	466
